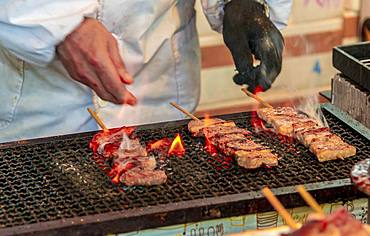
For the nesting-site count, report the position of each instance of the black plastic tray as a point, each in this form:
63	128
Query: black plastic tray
350	60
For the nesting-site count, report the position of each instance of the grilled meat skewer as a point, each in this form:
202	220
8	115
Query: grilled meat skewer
131	162
233	141
196	126
320	141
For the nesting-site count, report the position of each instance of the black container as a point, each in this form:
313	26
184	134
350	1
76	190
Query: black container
353	61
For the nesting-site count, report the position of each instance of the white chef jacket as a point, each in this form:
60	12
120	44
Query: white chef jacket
158	43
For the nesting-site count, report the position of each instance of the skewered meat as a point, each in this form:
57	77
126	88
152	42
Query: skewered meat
222	141
107	143
129	148
284	124
320	141
139	177
196	126
306	136
131	162
267	114
232	147
255	159
316	228
339	223
146	163
305	125
218	131
234	141
331	150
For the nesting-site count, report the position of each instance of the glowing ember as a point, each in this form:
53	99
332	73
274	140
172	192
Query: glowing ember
258	89
256	122
117	171
210	148
115	179
177	147
111	138
161	145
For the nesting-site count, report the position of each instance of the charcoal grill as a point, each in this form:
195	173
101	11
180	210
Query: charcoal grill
54	186
354	62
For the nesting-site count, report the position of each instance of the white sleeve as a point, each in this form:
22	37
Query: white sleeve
214	11
31	29
279	12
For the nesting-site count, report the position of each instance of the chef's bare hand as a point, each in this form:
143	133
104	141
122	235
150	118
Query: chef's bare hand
90	55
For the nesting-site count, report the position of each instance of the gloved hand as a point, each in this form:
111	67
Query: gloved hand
246	31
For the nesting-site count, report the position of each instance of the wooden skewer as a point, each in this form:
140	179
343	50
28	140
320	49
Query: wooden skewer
184	111
279	208
257	98
97	119
309	199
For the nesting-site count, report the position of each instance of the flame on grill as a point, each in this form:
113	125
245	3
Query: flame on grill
115	179
161	145
111	139
177	147
210	148
207	120
256	122
118	171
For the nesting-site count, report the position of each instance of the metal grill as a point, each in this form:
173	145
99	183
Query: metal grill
55	183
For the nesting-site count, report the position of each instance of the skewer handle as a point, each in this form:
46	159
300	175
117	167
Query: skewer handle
257	98
309	200
177	106
97	119
279	208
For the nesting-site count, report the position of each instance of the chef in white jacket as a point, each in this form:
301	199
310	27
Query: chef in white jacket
125	58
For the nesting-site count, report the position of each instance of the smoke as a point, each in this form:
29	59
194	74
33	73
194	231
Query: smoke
309	104
125	143
311	107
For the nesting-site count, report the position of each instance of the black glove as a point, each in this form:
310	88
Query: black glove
247	30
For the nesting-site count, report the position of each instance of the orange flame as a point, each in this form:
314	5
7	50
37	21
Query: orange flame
117	171
115	179
159	145
210	148
207	120
177	147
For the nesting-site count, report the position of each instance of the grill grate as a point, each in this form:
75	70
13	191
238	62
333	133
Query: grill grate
57	178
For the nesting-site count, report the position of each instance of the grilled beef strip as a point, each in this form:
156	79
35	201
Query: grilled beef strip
130	159
234	141
196	126
255	159
324	144
140	177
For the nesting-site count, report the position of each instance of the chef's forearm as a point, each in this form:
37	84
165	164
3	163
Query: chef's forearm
31	29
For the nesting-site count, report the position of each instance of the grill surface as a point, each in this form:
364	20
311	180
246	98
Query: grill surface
56	180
